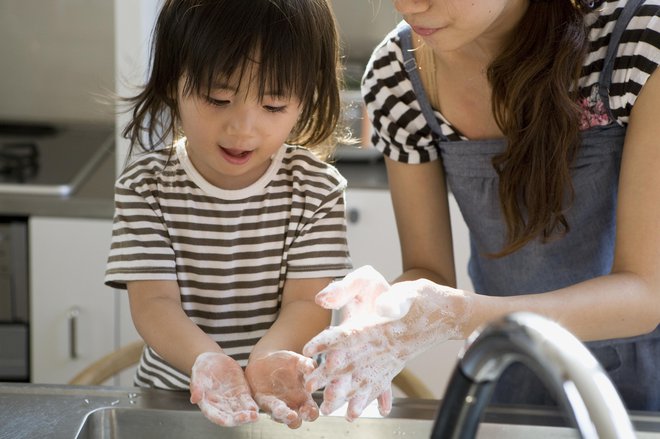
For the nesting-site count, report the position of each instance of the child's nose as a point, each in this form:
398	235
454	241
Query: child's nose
242	122
411	6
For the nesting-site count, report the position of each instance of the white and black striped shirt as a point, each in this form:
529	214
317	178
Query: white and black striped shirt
229	250
401	132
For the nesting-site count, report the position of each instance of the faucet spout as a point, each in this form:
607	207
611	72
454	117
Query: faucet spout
559	359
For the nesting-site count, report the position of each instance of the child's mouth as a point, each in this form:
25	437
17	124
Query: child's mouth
236	156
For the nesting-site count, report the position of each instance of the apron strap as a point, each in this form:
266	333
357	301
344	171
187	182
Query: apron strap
410	65
605	79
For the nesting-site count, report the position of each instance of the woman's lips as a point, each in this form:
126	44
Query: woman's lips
425	31
235	156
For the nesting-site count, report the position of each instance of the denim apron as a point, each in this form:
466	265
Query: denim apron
587	251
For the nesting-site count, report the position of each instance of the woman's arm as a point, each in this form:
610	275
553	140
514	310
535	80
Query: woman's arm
626	302
421	209
637	248
160	320
622	304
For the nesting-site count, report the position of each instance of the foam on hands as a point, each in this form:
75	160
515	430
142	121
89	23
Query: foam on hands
382	328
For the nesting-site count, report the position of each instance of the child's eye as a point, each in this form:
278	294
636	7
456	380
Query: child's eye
275	109
216	102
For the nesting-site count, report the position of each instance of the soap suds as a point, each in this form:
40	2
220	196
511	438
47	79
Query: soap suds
383	327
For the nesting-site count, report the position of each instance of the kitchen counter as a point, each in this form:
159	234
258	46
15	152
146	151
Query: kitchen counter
58	411
364	175
94	198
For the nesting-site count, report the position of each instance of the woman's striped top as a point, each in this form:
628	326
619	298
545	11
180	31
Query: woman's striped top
400	131
229	250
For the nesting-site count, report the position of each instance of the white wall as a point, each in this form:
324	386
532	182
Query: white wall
134	21
57	60
363	24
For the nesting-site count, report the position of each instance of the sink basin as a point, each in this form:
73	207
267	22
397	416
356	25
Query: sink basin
45	410
119	423
138	422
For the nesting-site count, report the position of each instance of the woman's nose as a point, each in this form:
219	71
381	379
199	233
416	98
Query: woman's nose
406	7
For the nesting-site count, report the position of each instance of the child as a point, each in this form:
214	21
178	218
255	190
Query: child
223	239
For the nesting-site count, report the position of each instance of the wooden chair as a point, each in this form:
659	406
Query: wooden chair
110	365
411	386
128	356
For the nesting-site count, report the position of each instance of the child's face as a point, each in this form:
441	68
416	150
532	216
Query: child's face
231	135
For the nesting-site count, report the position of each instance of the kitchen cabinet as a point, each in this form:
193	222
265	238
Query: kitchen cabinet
373	240
75	318
372	235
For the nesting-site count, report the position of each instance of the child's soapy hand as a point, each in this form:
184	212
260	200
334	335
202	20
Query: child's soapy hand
278	387
384	327
219	388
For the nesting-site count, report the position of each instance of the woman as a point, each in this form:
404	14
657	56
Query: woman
539	116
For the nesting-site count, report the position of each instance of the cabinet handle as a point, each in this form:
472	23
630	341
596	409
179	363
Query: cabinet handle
353	215
73	314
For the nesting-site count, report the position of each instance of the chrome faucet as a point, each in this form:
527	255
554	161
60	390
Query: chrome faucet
559	359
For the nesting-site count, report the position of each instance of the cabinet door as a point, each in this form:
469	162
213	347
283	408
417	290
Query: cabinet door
372	236
72	311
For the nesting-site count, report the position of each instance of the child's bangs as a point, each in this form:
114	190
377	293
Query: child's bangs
283	72
279	43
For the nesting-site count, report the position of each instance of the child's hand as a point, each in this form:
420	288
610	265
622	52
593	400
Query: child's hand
278	386
219	388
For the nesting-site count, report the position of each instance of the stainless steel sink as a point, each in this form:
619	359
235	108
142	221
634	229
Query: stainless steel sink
113	423
118	423
30	411
413	419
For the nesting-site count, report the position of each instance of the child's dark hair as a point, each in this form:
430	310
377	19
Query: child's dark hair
295	43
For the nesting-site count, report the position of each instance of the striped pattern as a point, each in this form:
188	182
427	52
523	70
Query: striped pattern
229	251
402	134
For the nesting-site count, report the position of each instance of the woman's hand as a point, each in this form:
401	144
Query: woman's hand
355	296
219	388
384	327
278	387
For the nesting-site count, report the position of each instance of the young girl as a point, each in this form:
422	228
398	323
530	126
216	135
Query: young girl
223	239
541	117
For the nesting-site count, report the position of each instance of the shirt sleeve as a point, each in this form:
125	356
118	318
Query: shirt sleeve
319	247
638	56
398	127
141	248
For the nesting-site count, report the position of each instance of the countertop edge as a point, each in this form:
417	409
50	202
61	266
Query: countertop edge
95	197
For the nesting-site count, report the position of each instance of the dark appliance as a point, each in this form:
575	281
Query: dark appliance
14	306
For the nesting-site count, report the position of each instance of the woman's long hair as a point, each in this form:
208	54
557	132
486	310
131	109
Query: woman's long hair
534	101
